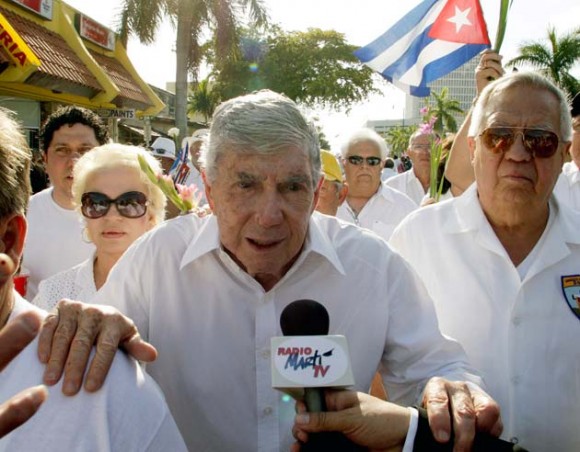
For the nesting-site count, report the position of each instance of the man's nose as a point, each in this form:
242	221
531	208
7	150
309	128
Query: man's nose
270	210
517	151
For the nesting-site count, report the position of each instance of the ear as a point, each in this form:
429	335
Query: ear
471	145
316	194
342	193
12	235
208	194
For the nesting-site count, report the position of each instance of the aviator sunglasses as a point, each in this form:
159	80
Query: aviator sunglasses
132	204
538	142
357	160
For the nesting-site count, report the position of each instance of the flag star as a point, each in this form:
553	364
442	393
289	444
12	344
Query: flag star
460	19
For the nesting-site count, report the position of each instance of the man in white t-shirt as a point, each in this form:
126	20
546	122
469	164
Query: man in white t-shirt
370	203
415	182
502	262
128	414
567	189
55	232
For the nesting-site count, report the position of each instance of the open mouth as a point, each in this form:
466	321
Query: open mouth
264	244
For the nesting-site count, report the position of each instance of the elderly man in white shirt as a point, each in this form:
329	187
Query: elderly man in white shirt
502	262
370	203
208	293
415	182
567	188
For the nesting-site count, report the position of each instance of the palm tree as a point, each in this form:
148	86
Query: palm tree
202	100
443	109
192	18
554	59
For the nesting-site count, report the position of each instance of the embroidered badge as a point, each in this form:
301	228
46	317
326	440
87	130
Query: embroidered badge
571	290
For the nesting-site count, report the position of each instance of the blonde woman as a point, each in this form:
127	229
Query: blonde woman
118	204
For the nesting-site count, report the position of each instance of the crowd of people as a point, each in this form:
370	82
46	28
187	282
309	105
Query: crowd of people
461	316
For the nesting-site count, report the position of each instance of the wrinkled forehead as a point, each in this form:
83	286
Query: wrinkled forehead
521	105
364	147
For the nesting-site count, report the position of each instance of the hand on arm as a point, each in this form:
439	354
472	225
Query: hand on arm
67	338
13	339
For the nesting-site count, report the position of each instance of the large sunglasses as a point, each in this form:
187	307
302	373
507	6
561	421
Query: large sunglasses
538	142
132	204
357	160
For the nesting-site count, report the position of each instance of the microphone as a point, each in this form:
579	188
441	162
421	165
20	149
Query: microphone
309	359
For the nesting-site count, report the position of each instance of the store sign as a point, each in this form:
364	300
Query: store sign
15	47
94	32
120	113
40	7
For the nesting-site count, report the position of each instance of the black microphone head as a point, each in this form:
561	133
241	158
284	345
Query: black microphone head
304	318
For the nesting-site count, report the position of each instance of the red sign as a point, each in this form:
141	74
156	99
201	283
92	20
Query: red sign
41	7
95	32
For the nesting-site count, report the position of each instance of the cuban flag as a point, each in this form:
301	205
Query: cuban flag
179	171
432	40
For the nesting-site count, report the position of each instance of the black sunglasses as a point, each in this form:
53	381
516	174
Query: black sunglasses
132	204
357	160
538	142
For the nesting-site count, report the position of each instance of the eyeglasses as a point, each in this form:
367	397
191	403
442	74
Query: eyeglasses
132	204
540	143
357	160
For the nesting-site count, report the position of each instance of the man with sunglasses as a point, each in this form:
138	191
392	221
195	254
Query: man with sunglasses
502	261
209	292
370	203
54	241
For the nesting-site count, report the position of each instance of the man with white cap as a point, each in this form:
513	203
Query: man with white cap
334	189
164	150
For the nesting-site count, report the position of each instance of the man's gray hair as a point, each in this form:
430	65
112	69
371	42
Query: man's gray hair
525	79
263	122
363	135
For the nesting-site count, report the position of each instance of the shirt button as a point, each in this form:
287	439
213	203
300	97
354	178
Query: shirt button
267	411
514	440
516	321
265	354
516	380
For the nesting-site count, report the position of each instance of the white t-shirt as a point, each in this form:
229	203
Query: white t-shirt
76	283
521	333
128	414
212	324
54	240
382	213
408	184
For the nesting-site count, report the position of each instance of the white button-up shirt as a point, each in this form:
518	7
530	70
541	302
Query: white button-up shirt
408	183
567	189
382	213
520	333
212	324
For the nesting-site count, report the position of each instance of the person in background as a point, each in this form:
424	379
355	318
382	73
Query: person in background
334	189
196	142
128	414
118	204
415	182
388	169
54	240
227	277
568	186
502	261
370	203
163	149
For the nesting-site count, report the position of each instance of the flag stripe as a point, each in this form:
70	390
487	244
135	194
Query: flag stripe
414	22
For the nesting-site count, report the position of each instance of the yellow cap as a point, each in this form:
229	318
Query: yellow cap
330	166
